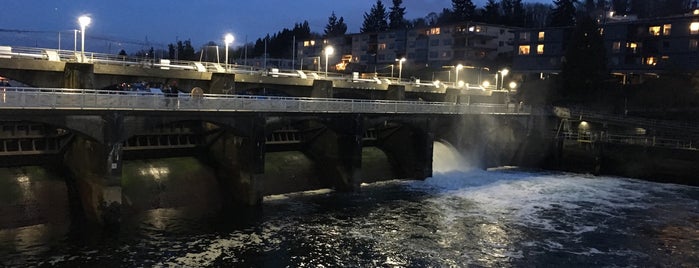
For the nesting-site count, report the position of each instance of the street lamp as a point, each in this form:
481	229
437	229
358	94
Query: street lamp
228	40
400	68
84	21
456	75
513	85
503	73
329	50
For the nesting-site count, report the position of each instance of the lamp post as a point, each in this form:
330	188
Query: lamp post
84	21
228	40
391	70
503	73
456	75
329	50
400	68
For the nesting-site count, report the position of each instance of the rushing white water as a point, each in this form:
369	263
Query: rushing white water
447	159
460	217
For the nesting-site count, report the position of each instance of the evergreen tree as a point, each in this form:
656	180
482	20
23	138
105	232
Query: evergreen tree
375	20
585	67
536	14
491	12
397	15
335	27
620	6
563	13
463	10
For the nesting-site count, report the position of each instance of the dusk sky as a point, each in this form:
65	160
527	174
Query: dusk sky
164	21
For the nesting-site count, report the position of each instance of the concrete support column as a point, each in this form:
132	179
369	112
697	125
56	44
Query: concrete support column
338	151
410	147
452	95
322	89
395	92
79	75
240	159
221	83
96	169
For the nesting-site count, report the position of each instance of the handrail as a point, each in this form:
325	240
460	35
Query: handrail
653	141
92	99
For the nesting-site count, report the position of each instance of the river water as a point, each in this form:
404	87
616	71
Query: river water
458	218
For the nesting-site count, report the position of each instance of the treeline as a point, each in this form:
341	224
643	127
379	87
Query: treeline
381	18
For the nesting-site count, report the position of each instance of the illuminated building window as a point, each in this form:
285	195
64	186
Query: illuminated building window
632	47
667	29
309	43
539	49
665	58
433	31
524	50
616	46
651	61
694	28
654	30
476	29
541	36
382	46
693	44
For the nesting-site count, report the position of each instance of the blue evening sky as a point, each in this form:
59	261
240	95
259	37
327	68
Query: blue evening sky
164	21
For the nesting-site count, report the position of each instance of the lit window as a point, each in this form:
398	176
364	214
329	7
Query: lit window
693	44
616	46
632	47
524	50
654	30
539	49
667	28
541	36
382	46
694	28
433	31
695	12
651	61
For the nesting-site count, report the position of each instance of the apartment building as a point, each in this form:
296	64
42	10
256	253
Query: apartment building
634	47
468	43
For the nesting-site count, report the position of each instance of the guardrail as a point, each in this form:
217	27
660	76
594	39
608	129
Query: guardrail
652	141
202	66
90	99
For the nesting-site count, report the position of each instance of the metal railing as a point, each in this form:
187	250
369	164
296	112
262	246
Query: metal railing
203	66
652	141
90	99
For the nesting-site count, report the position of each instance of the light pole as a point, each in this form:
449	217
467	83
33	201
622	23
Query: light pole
228	40
400	68
329	50
391	70
456	75
84	21
503	73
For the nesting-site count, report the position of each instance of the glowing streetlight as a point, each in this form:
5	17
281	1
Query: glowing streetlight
84	21
458	68
503	73
400	68
486	83
513	85
228	40
329	50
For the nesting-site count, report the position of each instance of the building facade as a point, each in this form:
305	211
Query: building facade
634	47
468	43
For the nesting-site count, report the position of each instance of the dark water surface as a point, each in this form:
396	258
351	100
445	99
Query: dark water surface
458	218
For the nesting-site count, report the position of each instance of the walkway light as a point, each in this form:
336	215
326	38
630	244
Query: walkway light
84	22
513	85
458	68
486	83
228	40
400	68
329	50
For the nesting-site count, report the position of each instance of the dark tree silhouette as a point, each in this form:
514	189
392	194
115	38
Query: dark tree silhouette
563	13
375	20
335	26
397	15
463	10
584	70
491	12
